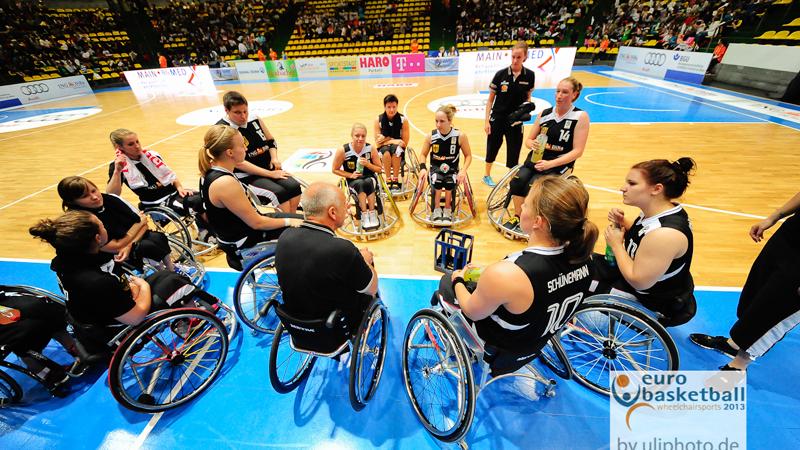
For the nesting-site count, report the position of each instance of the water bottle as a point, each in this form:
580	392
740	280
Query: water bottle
359	166
610	258
473	274
542	140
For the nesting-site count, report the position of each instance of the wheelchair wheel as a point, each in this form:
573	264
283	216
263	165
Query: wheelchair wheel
10	390
256	288
166	221
183	255
437	372
369	353
287	367
604	337
554	357
497	206
169	359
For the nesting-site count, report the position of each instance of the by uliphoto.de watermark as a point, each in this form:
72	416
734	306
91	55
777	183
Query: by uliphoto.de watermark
678	410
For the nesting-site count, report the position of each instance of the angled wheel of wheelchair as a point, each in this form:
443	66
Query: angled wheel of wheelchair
287	367
555	358
169	359
171	224
10	390
224	313
180	254
606	336
256	290
183	254
410	174
388	213
369	354
437	372
497	206
463	204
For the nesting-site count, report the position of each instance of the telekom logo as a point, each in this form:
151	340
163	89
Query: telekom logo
408	63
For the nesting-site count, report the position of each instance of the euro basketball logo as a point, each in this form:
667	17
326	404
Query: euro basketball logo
623	393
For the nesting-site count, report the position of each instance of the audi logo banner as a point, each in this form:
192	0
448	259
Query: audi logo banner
44	90
655	59
32	89
663	64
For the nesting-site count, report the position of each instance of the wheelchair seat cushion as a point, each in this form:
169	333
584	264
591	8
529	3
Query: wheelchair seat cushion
314	335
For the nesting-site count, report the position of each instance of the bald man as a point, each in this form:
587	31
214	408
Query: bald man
319	272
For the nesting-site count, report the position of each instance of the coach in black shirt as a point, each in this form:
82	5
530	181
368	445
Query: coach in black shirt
319	272
509	89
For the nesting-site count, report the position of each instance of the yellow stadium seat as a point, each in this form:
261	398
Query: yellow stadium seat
766	35
795	36
783	34
794	23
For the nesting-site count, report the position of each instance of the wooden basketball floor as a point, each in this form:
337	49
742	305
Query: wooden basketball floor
748	164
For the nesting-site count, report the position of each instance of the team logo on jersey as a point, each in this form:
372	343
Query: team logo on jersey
435	148
567	124
351	165
504	88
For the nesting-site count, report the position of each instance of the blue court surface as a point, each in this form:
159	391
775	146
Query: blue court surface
241	410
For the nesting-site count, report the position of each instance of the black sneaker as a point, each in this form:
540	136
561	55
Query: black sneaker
718	343
727	367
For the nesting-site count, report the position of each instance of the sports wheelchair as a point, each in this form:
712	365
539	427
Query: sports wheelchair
463	204
185	228
388	213
499	200
179	254
257	290
181	228
441	350
610	333
170	358
297	344
409	171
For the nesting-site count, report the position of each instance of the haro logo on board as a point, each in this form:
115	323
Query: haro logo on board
374	62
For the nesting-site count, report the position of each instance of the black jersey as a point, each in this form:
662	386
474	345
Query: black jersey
560	134
351	159
677	280
116	214
154	192
510	92
393	127
255	139
558	289
229	227
445	151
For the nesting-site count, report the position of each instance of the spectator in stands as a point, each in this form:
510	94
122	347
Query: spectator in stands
162	60
414	46
273	55
261	56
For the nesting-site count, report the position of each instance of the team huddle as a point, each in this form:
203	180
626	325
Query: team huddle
518	303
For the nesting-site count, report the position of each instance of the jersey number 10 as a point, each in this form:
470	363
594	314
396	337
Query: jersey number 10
560	313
